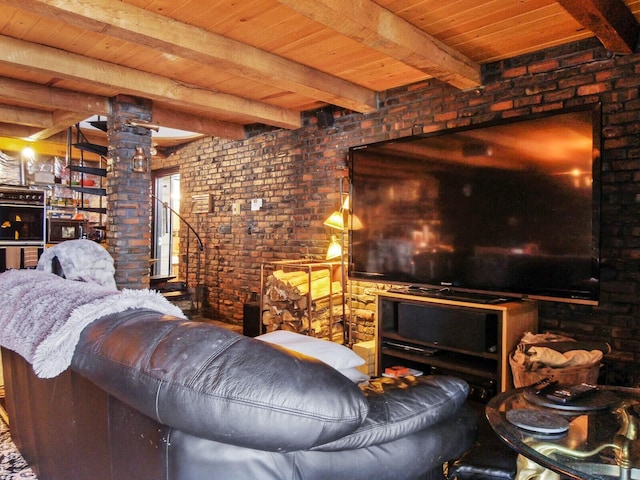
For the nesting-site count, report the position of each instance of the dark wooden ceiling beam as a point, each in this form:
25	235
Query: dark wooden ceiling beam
610	20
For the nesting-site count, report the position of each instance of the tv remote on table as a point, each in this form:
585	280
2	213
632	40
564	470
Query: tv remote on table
570	394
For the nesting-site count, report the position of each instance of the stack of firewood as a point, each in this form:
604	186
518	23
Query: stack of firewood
307	302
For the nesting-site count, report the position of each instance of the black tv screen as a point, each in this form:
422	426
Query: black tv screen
508	208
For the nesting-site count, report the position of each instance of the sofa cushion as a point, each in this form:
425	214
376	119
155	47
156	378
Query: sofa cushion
354	375
401	406
216	384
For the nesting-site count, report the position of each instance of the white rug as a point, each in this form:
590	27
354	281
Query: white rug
12	465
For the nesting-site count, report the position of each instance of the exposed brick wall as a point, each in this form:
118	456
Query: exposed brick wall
297	173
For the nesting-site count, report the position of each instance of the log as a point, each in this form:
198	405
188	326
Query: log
289	328
324	288
302	303
287	316
294	285
296	278
364	314
267	317
325	301
288	278
276	294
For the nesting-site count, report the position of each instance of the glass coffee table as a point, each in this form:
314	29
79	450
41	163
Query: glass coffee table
594	438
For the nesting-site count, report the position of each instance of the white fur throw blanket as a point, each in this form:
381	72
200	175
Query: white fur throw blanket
81	260
42	315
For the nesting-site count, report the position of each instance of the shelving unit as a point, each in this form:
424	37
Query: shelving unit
472	340
78	186
302	296
88	171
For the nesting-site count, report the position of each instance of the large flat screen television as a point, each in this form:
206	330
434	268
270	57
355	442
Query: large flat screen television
506	209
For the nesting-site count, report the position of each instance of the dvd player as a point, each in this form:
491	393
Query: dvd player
419	349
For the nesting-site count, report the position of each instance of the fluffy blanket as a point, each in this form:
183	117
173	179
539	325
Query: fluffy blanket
43	315
81	260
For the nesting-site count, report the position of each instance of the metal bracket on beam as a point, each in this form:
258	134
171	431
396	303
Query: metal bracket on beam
142	124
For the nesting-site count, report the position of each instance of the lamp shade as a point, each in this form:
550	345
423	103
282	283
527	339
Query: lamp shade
335	249
354	223
335	220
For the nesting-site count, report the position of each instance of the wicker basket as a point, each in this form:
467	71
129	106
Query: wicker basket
564	376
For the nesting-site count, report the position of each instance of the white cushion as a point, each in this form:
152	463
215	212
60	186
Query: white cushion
333	354
355	375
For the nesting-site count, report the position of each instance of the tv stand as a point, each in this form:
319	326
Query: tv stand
469	339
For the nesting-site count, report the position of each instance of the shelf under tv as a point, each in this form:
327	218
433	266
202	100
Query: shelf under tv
432	334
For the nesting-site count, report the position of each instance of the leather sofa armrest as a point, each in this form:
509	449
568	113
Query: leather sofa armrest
402	406
217	384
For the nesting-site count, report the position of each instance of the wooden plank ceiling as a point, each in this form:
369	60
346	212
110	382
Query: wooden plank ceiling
215	66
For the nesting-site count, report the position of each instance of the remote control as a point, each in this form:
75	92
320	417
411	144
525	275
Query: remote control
543	386
569	394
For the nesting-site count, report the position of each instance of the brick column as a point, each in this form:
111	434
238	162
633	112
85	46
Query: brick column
128	193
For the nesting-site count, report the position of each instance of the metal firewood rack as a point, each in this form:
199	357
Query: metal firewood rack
308	267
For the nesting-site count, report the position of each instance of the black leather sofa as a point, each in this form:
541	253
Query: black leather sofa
150	397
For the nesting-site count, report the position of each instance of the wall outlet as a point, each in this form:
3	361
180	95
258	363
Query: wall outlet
235	208
256	204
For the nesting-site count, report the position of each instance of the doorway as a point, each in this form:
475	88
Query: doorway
166	245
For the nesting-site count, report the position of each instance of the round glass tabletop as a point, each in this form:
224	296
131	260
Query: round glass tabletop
584	440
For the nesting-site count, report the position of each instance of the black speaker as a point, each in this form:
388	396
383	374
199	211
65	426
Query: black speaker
476	331
251	322
325	117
